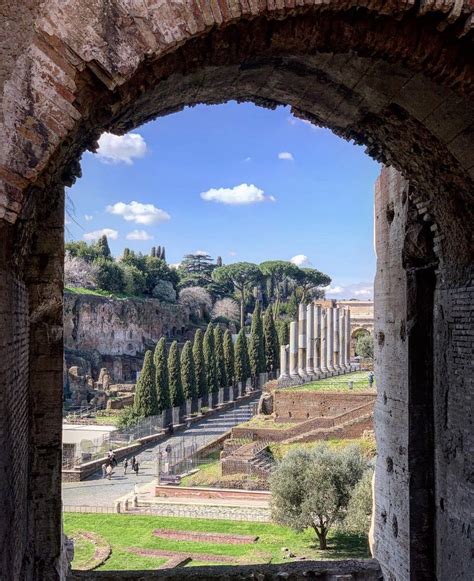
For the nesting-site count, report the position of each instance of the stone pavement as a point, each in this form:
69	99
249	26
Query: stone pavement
96	491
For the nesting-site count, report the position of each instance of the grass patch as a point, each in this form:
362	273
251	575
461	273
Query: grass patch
262	421
126	531
84	550
367	445
338	383
209	473
77	290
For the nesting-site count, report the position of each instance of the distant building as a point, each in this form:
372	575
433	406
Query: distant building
362	316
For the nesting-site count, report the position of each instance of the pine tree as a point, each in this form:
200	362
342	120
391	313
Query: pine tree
210	359
188	372
162	378
199	364
272	345
145	403
257	344
219	356
174	374
102	246
229	357
242	363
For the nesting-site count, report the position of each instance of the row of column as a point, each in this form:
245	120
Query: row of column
319	343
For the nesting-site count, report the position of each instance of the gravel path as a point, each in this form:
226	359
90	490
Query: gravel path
96	491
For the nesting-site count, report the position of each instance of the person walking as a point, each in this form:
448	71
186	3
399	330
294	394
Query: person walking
104	470
109	471
136	467
125	466
133	462
371	378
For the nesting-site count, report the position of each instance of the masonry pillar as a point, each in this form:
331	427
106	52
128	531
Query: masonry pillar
348	339
337	352
302	340
342	340
323	350
310	339
294	349
317	339
330	339
283	362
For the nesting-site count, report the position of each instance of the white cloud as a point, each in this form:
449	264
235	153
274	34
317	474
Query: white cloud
88	217
121	148
139	213
301	260
286	155
236	196
247	159
201	252
296	121
359	290
138	235
96	234
232	253
67	221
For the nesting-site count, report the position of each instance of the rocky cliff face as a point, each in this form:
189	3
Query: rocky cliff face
119	326
114	333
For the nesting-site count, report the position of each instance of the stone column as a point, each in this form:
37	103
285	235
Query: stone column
337	353
330	339
302	340
342	343
294	349
348	339
283	362
323	343
310	339
317	339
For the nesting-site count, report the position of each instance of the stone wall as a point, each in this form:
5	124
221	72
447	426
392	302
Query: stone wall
292	405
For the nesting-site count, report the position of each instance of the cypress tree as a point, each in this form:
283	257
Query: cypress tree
102	246
145	403
257	344
229	357
162	379
163	254
283	331
174	374
188	372
272	345
220	361
199	364
210	359
242	363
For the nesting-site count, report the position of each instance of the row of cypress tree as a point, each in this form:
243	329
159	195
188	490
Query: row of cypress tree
212	361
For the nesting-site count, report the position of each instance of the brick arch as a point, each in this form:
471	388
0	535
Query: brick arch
392	75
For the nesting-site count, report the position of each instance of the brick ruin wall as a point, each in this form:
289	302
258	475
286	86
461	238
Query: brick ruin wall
298	406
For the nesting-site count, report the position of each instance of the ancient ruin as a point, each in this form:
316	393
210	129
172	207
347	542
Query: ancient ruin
319	345
396	76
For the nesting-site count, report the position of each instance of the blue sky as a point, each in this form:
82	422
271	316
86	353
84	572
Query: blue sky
239	181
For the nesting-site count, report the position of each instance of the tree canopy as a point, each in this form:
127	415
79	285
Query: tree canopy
312	488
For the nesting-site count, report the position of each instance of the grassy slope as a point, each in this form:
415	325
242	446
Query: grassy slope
99	293
338	383
367	446
123	531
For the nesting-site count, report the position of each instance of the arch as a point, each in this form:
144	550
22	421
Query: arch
395	76
356	333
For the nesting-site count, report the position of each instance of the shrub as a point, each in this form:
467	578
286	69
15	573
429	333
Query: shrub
164	291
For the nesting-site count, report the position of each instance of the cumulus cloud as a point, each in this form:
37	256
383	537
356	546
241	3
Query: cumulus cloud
363	291
237	196
301	260
96	234
121	148
296	121
88	217
139	213
138	235
286	156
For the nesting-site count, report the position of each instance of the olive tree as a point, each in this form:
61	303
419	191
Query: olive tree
312	488
365	346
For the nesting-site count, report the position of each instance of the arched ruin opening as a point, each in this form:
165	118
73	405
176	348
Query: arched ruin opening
397	78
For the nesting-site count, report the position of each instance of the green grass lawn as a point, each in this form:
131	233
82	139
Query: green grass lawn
338	383
128	531
367	445
98	293
83	552
261	421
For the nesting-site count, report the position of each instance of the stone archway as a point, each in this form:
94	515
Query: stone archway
395	76
356	333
